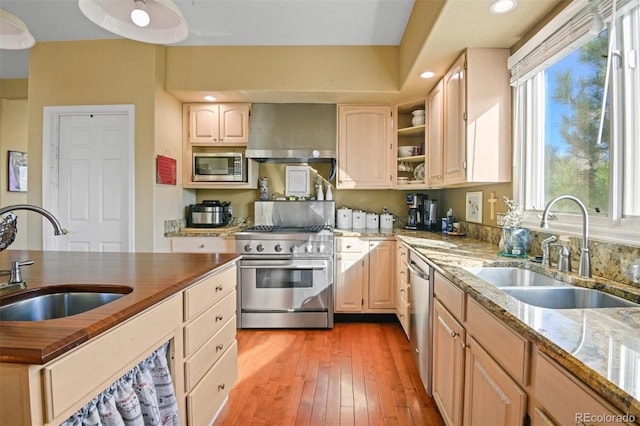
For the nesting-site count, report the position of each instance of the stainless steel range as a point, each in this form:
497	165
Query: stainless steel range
285	274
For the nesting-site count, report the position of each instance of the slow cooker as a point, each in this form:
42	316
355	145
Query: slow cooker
210	214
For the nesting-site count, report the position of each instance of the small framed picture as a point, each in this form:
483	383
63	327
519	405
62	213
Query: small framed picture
297	183
17	168
474	206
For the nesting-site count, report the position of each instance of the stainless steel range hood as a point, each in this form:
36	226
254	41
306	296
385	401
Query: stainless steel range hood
292	132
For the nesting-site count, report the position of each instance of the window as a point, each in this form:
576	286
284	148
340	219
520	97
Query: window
567	140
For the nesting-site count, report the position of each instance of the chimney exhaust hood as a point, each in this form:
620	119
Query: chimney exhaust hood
292	133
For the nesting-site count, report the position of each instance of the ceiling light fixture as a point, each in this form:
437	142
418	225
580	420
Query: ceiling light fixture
427	74
502	6
166	24
14	34
139	15
209	98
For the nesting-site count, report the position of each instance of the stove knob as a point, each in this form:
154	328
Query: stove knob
293	249
278	248
247	247
308	248
321	248
260	247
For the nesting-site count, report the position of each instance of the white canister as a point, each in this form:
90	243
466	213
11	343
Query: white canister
386	221
344	215
373	221
359	219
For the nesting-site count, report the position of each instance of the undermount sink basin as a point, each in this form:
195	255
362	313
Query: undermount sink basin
52	302
513	277
568	297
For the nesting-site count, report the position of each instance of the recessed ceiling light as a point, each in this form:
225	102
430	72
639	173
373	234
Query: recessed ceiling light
209	98
427	74
503	6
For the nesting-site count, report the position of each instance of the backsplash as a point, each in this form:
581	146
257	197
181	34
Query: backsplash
608	260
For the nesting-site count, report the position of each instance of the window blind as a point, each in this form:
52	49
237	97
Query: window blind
571	28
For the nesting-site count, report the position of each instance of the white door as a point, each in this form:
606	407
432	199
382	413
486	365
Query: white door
91	181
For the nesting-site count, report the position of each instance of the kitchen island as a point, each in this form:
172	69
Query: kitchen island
187	299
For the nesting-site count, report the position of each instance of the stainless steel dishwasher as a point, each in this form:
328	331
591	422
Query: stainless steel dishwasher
420	317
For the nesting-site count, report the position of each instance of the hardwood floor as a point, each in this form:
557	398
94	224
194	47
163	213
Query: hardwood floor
354	374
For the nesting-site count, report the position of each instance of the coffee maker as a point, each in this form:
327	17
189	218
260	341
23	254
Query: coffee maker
415	216
429	214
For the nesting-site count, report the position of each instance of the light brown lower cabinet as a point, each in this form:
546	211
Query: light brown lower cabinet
491	397
563	400
448	362
469	386
485	373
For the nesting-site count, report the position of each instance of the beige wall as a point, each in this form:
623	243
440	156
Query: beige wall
169	200
309	70
13	137
97	73
456	200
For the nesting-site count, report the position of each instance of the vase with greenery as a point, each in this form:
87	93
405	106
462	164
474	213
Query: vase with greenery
515	239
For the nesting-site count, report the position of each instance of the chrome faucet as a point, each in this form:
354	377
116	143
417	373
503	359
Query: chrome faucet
57	228
15	274
584	269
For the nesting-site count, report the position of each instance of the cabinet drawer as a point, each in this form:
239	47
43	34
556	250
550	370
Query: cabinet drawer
403	315
449	295
203	245
206	325
505	346
351	245
79	375
403	290
563	397
211	351
208	292
207	397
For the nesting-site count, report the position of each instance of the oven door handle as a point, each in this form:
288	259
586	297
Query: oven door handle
261	265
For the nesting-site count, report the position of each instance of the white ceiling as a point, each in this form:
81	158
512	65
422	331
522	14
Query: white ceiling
460	23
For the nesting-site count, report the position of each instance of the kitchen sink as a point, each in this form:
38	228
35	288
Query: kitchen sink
567	297
51	303
513	277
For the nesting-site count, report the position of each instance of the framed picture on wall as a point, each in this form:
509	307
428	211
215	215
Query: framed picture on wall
474	206
17	169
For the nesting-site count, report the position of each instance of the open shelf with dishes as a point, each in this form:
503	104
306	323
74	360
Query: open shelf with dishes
410	131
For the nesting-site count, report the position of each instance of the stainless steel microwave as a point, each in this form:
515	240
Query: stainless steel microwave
219	167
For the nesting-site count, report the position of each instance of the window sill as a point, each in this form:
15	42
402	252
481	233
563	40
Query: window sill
597	231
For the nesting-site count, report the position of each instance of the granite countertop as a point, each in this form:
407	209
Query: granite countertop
599	346
152	276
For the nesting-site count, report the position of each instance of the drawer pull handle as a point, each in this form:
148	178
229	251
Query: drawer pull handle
448	329
201	245
219	288
219	348
221	386
218	317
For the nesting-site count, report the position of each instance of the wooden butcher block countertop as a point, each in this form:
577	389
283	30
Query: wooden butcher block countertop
152	276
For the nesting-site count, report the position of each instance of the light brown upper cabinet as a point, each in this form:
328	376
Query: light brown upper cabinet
476	120
219	124
364	146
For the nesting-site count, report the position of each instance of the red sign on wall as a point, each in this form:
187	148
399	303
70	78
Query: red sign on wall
166	170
